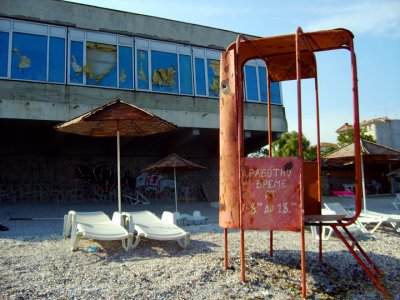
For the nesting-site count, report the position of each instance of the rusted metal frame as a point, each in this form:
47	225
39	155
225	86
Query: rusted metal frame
300	155
239	107
307	39
311	39
271	233
320	243
240	99
318	148
357	136
243	37
226	248
368	269
365	255
225	229
228	145
269	116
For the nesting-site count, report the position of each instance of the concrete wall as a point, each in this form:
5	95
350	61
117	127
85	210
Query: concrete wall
395	128
383	134
386	133
38	178
41	101
94	18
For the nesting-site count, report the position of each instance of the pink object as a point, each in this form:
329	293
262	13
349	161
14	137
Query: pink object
343	193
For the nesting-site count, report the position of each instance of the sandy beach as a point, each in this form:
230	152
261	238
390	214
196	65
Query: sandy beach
36	261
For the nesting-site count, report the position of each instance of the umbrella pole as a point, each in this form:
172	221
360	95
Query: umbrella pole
118	173
176	195
363	183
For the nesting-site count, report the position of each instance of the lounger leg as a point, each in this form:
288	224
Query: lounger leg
67	226
75	240
136	241
184	243
75	236
361	226
127	243
376	227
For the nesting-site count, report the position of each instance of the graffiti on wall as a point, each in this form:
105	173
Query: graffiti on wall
37	178
99	175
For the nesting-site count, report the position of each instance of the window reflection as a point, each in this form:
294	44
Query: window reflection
101	64
29	56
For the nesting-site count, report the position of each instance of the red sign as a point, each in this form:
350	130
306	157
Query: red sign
270	193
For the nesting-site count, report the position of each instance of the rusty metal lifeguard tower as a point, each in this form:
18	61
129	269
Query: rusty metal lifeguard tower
281	193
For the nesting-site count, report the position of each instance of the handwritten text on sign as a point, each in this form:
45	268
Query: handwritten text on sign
270	193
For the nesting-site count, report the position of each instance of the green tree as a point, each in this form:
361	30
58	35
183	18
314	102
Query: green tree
287	145
327	150
347	137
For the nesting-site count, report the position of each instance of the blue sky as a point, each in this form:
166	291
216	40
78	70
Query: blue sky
375	24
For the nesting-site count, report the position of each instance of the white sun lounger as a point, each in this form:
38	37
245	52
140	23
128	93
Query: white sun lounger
362	220
327	231
196	218
145	224
388	216
96	226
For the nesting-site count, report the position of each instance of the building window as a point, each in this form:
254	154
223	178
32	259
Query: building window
37	51
76	63
262	77
164	72
251	83
255	74
4	38
200	77
29	57
185	74
163	67
125	67
57	60
206	77
100	59
142	69
213	77
101	64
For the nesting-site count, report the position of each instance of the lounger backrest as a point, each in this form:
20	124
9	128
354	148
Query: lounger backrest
337	208
143	217
168	217
326	211
91	217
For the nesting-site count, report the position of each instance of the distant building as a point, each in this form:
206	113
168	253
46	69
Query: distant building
385	131
344	127
324	146
378	162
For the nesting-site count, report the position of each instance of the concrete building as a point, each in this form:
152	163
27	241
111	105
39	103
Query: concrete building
59	60
385	131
